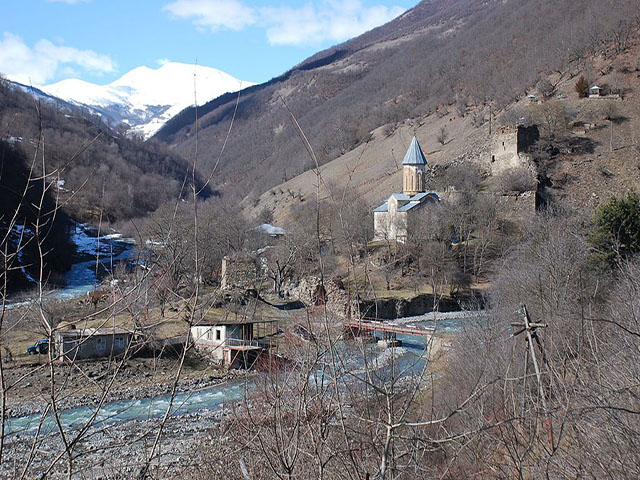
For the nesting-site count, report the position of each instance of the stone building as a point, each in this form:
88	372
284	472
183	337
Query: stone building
396	218
510	147
77	344
239	272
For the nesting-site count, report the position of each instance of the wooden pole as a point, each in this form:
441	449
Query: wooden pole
532	352
610	136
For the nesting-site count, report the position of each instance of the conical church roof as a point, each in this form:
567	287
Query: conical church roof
414	155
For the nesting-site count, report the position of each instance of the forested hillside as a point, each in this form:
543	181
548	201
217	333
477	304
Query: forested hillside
98	172
441	53
31	225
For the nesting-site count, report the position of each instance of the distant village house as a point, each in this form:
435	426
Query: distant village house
235	344
86	343
595	91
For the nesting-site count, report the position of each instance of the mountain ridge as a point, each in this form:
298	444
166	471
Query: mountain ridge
145	98
427	60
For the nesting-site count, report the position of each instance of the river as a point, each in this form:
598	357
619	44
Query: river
126	426
94	257
408	359
128	410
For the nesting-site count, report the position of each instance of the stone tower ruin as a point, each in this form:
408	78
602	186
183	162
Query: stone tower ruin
510	147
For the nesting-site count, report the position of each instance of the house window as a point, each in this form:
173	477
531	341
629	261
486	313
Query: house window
101	344
119	342
218	334
210	334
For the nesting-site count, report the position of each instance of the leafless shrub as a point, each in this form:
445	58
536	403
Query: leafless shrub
477	120
443	136
546	88
461	105
517	179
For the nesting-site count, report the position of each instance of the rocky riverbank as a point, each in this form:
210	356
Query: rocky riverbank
85	384
116	452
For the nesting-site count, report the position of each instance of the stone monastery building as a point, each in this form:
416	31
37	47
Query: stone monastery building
395	218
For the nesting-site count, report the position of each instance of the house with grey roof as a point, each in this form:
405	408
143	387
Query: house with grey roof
78	344
395	218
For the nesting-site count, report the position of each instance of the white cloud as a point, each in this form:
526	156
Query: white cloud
313	23
45	60
213	14
162	61
327	20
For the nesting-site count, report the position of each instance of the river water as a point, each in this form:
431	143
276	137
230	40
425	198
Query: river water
407	360
95	256
127	410
98	255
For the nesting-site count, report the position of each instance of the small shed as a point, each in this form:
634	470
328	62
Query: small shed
236	344
77	344
595	91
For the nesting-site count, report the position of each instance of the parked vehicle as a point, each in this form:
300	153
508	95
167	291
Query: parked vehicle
41	347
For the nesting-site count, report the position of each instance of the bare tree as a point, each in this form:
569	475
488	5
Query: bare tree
443	135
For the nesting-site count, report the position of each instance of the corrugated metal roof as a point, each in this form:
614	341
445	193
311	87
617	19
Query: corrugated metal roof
409	206
91	332
418	196
401	196
223	323
414	155
382	208
434	195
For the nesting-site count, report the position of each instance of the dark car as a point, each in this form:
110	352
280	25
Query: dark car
41	347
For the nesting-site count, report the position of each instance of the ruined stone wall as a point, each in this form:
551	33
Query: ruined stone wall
515	206
509	148
338	300
527	137
504	145
239	272
510	205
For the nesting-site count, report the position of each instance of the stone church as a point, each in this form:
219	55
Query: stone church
395	218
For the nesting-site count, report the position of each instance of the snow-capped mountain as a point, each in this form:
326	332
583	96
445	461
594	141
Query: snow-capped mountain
146	98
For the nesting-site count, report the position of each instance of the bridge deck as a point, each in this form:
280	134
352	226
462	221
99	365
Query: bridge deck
389	327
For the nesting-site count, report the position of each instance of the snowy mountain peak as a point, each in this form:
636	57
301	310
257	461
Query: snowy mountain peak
146	98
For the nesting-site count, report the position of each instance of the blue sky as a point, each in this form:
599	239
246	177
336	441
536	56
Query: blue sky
99	40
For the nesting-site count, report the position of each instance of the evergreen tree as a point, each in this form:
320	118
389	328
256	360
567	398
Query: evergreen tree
582	87
617	229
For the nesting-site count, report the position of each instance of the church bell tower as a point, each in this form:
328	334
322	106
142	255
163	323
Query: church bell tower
414	170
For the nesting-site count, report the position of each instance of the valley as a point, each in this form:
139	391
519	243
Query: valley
415	254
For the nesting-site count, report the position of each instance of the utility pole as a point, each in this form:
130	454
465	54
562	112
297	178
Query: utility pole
531	329
490	117
610	136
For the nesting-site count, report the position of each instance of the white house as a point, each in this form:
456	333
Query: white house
595	91
236	344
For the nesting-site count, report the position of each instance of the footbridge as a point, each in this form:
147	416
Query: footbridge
388	328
